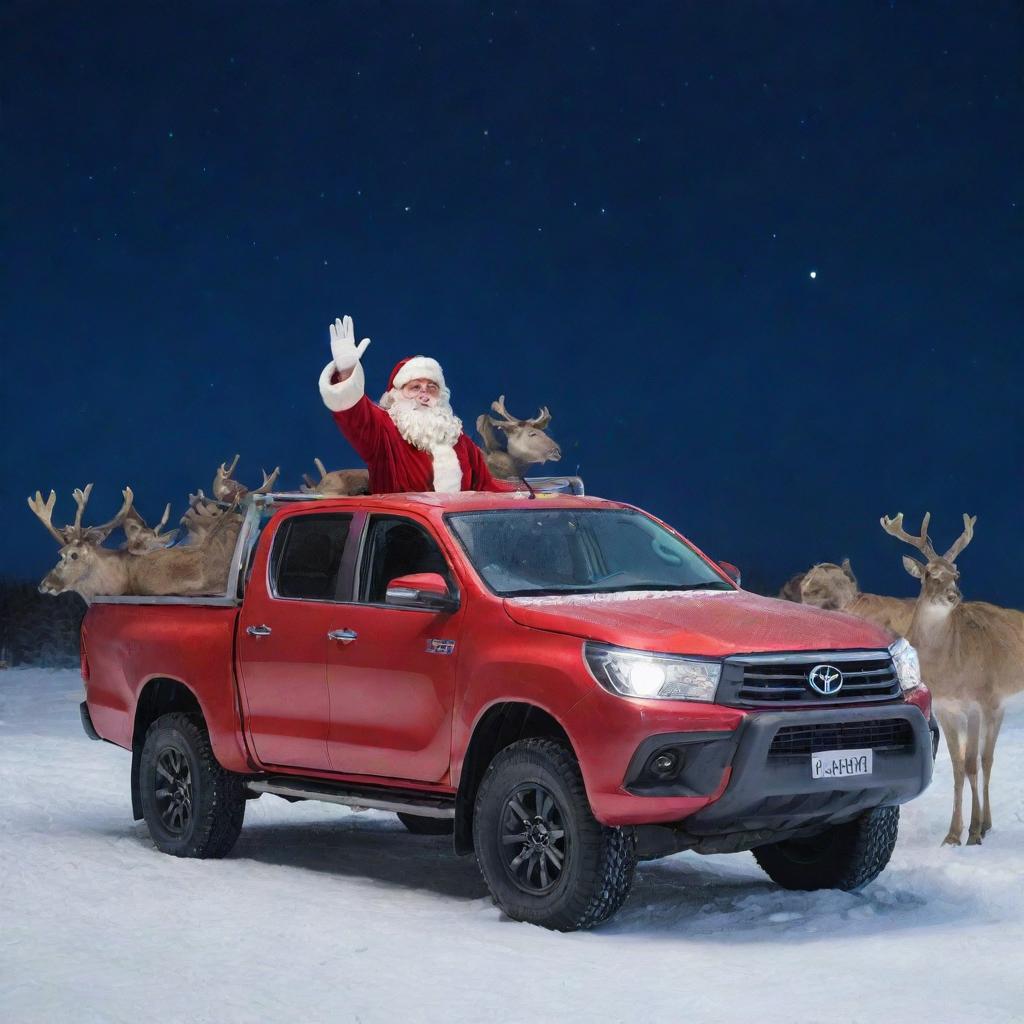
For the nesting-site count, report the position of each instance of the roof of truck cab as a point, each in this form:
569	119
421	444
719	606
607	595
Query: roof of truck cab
462	501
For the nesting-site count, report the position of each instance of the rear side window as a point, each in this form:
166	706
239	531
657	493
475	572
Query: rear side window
307	557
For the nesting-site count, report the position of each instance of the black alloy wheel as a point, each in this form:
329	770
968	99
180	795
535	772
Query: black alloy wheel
193	806
533	839
545	857
174	790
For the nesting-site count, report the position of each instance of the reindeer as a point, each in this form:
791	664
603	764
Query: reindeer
83	565
89	569
339	481
225	488
214	524
525	442
140	539
834	587
972	658
791	588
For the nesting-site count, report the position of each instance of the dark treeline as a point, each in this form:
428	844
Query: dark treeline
38	629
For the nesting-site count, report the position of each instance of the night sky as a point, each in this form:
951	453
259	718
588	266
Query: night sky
762	261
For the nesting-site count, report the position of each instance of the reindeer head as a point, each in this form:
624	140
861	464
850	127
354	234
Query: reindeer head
525	439
200	516
830	586
226	488
141	539
939	575
79	563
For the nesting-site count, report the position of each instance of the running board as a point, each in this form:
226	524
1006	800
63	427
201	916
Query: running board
424	805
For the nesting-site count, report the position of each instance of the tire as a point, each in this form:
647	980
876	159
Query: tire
421	826
193	807
847	856
572	871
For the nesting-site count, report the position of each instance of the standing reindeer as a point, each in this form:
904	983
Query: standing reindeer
972	659
225	488
339	481
834	587
525	442
90	569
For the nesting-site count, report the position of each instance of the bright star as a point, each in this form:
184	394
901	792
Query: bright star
814	274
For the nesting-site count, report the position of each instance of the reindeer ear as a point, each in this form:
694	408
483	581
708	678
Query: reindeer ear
848	569
913	566
501	424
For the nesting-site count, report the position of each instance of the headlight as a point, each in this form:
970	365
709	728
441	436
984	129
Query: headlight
636	674
908	667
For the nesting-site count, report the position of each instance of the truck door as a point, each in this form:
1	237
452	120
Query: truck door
392	677
282	640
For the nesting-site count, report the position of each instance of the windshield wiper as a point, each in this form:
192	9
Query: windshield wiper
708	585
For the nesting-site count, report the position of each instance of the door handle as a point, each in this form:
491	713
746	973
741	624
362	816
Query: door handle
258	630
346	636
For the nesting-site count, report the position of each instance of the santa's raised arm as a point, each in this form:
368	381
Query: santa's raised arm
411	441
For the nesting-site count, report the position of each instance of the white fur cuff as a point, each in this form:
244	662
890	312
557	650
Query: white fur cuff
343	395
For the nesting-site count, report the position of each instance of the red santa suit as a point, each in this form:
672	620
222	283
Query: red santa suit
448	462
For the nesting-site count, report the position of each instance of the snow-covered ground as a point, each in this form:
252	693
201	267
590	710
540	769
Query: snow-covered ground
321	914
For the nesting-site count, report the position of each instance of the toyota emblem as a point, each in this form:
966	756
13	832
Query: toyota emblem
826	680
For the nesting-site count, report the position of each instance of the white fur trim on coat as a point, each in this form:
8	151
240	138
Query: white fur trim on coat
343	395
420	367
447	471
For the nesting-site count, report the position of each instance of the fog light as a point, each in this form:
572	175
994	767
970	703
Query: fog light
664	764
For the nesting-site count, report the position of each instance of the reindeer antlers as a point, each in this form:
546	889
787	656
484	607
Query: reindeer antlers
963	540
541	420
44	512
67	534
226	471
894	527
268	481
499	408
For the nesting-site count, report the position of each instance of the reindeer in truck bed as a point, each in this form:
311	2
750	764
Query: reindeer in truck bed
526	443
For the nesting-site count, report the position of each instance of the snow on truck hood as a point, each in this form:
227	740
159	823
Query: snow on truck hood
706	622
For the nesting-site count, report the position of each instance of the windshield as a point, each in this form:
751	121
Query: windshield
574	551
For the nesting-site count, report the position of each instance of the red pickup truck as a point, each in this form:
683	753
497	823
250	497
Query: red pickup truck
564	683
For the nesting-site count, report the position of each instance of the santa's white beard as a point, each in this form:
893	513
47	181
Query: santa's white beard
424	426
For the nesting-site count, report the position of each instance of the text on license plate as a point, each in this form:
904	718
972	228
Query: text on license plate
835	764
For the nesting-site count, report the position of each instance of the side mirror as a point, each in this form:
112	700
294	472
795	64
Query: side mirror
731	571
426	590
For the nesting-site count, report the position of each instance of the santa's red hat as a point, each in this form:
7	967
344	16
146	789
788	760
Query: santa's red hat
414	368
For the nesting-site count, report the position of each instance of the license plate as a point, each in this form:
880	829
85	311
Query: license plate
838	764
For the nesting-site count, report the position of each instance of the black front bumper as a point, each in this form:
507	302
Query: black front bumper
773	791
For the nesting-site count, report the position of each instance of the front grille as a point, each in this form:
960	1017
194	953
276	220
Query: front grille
764	682
891	734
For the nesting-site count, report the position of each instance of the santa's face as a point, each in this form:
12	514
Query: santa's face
424	417
421	392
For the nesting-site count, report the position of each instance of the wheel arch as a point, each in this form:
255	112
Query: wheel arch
160	695
501	725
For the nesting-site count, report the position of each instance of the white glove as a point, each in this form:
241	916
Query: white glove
343	345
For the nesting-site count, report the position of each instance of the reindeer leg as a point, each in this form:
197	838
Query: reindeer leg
971	759
993	723
951	720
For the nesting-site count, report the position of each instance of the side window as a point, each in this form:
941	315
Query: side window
307	556
397	547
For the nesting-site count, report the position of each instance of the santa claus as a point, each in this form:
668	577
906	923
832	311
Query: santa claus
412	441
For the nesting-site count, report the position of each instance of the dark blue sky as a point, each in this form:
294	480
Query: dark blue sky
613	210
